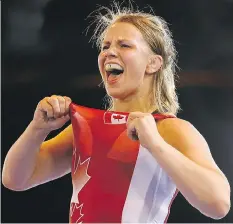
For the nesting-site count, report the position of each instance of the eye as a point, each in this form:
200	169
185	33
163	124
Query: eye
125	45
105	47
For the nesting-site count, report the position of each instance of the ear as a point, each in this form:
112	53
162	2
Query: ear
155	62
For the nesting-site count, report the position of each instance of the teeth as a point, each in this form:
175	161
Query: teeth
110	67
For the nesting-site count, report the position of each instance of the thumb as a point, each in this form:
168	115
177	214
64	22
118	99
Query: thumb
62	120
65	118
132	132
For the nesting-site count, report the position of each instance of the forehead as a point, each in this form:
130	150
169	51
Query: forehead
123	31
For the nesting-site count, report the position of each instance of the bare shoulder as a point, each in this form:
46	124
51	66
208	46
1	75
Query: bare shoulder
180	134
184	137
176	127
60	144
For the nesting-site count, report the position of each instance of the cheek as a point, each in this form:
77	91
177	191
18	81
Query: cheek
136	66
101	62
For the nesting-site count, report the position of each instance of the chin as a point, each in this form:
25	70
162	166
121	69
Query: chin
115	93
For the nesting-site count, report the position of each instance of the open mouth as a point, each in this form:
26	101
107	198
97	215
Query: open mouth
113	71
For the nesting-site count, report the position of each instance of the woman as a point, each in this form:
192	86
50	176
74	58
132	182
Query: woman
137	65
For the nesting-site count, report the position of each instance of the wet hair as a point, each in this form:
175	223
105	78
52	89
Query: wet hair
158	37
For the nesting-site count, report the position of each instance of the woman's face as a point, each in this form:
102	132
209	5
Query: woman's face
124	51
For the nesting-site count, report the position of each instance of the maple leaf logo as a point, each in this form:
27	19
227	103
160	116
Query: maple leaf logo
80	175
114	118
76	212
118	117
80	178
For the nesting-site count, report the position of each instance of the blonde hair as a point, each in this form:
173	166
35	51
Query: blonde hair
159	38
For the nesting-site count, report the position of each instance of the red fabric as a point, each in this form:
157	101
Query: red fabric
102	165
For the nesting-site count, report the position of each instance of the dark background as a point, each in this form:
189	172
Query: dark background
45	52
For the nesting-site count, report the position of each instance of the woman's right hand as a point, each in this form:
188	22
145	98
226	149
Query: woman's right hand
51	113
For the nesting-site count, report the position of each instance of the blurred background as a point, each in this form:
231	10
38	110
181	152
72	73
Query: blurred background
45	51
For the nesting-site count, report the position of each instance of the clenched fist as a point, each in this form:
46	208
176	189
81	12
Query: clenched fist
51	113
142	127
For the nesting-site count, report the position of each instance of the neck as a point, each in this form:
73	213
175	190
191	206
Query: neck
144	103
142	100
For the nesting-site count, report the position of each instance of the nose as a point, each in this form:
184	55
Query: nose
111	52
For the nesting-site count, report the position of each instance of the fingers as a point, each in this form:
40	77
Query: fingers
46	107
62	105
53	101
67	104
56	106
133	122
134	115
131	130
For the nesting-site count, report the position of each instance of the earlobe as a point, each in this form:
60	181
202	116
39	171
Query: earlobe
155	63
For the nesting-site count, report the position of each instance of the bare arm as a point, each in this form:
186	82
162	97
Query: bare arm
188	161
31	160
184	154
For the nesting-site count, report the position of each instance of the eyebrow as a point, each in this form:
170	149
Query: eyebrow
118	41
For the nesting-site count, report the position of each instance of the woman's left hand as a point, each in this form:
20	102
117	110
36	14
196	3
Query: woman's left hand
142	127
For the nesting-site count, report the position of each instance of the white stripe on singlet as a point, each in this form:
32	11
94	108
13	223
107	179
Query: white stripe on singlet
150	192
